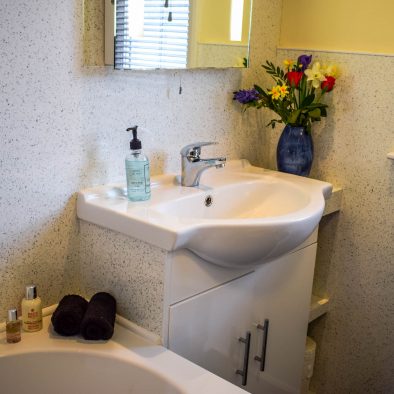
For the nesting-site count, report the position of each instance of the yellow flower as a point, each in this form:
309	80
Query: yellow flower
288	63
315	75
279	92
275	92
283	91
330	71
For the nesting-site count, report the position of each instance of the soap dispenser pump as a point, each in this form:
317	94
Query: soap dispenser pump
137	170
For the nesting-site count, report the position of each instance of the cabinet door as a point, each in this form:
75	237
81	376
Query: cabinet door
282	295
206	328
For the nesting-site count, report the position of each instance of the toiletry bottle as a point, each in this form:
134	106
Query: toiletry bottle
31	310
13	327
137	171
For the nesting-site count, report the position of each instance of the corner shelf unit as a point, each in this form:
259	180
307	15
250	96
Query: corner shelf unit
319	306
334	202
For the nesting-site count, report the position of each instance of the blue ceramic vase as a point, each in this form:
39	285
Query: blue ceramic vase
294	153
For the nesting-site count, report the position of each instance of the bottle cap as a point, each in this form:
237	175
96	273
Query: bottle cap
31	292
12	314
135	143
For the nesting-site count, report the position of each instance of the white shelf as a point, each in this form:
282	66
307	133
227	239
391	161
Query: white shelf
334	202
319	306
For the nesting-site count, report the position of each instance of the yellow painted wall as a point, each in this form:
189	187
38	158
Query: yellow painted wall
348	25
214	21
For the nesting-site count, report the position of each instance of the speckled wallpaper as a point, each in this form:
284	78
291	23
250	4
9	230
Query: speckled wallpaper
355	259
63	119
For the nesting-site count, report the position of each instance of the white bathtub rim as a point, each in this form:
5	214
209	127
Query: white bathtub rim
137	362
129	325
191	378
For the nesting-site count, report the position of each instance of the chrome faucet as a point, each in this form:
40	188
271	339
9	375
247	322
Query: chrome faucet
192	164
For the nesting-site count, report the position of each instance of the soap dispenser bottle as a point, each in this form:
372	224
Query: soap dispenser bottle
137	170
31	310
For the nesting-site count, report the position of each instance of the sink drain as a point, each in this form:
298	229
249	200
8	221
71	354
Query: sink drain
208	201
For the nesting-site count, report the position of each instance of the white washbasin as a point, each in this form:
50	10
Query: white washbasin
245	199
255	214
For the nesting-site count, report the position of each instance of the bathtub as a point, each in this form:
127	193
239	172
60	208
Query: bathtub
131	362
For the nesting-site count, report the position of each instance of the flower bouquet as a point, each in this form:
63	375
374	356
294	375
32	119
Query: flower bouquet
296	99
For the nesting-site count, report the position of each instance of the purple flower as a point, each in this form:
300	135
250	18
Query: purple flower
304	61
246	96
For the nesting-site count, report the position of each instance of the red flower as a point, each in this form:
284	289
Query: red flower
328	84
294	78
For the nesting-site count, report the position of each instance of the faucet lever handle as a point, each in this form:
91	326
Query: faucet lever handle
194	149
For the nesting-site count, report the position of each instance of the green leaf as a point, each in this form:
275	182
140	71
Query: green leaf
317	105
315	113
302	88
273	123
293	117
275	72
308	100
258	88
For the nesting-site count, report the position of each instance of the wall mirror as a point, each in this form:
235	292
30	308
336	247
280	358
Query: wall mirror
177	34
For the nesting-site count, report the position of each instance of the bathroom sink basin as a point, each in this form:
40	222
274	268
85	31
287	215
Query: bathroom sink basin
251	199
238	216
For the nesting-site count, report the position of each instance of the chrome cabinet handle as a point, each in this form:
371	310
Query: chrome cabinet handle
244	371
261	358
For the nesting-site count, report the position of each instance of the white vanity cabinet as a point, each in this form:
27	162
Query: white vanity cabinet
206	328
282	295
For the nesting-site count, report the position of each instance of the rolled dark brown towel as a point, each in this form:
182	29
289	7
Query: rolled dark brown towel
98	322
67	318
